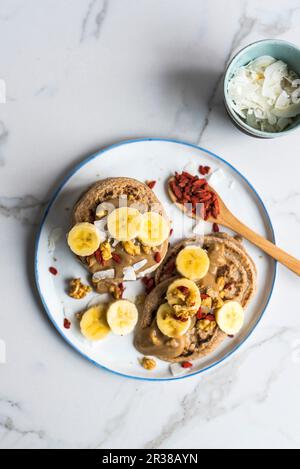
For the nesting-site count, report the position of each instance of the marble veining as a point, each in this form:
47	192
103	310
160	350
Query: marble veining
216	390
247	23
25	209
92	72
3	140
93	19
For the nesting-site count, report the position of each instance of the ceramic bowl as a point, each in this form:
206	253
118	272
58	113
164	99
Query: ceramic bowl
281	50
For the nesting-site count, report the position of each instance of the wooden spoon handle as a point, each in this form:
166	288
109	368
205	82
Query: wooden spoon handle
283	257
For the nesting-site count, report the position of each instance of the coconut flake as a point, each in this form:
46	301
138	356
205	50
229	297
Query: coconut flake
129	273
146	272
103	274
261	63
139	265
104	209
216	177
199	228
283	100
177	370
101	227
290	111
191	168
283	122
296	96
272	82
54	236
263	92
101	224
103	235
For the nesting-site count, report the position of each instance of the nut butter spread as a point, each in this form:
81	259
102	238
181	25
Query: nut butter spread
217	259
150	340
231	276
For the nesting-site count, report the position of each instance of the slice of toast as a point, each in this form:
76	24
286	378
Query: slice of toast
242	266
239	265
111	189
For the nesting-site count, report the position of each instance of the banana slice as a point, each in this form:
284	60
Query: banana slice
122	316
230	317
124	223
84	239
93	324
192	262
155	229
168	324
184	297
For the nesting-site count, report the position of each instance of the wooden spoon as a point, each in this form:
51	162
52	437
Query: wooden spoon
227	219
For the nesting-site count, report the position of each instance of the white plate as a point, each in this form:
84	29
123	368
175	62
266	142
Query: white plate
143	159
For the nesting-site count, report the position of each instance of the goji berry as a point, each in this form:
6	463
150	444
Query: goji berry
204	170
67	323
210	317
99	257
215	228
183	289
116	257
151	184
121	288
157	257
186	364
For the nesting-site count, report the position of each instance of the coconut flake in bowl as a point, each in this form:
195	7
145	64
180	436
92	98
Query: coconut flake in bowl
265	94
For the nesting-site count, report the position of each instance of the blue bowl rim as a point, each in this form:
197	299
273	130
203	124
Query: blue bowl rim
54	197
233	114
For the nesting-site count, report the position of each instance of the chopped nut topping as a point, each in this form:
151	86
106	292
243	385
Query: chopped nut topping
148	363
77	289
207	302
206	326
91	260
116	291
105	249
131	248
146	249
221	283
211	292
217	303
182	303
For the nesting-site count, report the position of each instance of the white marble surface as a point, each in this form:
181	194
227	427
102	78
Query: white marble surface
81	74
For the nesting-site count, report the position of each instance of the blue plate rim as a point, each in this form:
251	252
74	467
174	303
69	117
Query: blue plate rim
55	195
